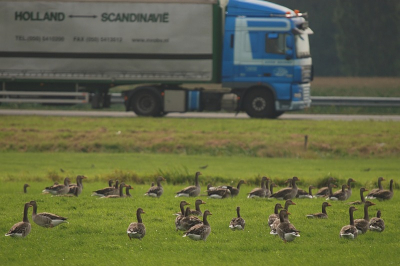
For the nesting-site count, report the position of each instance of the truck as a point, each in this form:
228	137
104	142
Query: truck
175	55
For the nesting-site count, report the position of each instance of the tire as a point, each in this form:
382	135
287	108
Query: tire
147	103
259	103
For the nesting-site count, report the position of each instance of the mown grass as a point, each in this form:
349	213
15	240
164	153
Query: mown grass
96	233
250	137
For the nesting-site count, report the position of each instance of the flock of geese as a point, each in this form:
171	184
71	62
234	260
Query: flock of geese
199	229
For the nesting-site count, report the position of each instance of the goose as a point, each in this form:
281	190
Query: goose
188	221
275	215
21	229
46	219
178	219
120	194
107	190
338	195
58	189
302	194
200	231
235	190
363	224
321	215
275	224
271	188
383	194
197	211
377	223
373	191
127	188
237	222
285	230
78	186
219	193
348	191
324	191
137	229
287	193
357	202
156	191
349	231
190	191
259	192
25	186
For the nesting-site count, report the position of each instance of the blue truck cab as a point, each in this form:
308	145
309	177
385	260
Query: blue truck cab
266	57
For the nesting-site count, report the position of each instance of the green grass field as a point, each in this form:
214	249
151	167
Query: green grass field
96	233
42	150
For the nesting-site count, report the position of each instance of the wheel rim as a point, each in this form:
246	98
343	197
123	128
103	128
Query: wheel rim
145	103
259	104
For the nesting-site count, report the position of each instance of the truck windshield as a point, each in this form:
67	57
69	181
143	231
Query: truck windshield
302	45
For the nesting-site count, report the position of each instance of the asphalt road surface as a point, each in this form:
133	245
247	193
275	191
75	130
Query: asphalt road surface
288	116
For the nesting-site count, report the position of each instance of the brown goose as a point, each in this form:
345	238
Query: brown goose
200	231
338	195
357	202
363	224
271	188
349	231
219	193
238	222
107	190
78	186
285	230
348	191
321	215
181	216
275	215
302	194
197	211
25	186
21	229
275	224
58	189
190	191
46	219
377	223
259	192
127	188
380	179
137	229
383	194
324	191
120	194
234	190
287	193
188	221
156	191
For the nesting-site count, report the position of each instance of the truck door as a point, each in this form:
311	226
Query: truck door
277	70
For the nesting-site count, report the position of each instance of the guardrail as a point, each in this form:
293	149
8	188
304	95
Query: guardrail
355	101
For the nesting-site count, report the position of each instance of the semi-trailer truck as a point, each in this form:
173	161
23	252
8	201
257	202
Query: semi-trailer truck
170	51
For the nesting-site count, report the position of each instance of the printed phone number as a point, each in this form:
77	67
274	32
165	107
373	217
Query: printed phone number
22	38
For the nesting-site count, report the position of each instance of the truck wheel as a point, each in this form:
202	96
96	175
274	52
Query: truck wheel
260	104
147	103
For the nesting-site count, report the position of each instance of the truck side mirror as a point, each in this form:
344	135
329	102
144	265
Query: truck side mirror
289	41
289	54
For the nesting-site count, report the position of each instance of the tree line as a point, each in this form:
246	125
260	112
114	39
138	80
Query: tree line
353	37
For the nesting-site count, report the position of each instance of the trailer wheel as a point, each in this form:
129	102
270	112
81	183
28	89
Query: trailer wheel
259	103
147	103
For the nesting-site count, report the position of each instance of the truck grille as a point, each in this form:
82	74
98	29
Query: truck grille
306	74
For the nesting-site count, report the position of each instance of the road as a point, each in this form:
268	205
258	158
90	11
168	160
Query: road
288	116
